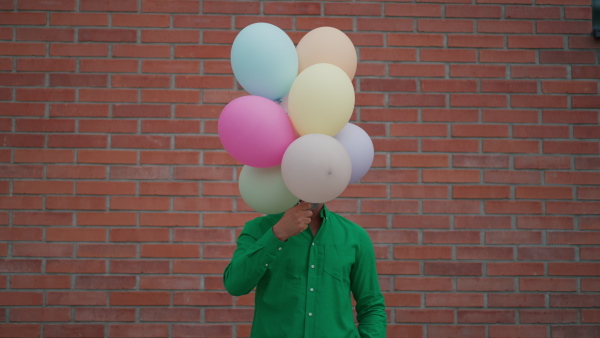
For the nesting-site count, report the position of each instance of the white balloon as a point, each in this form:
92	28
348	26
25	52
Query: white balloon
263	190
316	168
359	146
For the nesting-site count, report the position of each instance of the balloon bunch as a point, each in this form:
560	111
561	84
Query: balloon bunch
292	132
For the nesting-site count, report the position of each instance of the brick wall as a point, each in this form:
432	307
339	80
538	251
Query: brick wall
120	209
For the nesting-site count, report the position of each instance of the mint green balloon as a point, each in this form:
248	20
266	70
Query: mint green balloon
264	191
264	60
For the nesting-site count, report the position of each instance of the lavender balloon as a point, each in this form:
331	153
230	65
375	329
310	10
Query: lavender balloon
359	146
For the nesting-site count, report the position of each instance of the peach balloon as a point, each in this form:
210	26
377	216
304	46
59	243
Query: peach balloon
327	45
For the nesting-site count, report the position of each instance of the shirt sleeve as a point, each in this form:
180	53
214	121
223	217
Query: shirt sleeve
255	251
370	305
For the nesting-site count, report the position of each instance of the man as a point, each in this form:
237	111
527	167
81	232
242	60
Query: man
304	264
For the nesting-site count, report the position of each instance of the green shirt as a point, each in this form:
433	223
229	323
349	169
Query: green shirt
303	285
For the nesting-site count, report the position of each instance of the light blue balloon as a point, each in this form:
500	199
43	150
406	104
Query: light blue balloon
264	60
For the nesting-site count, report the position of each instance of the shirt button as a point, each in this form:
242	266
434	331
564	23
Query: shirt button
312	266
310	314
267	264
279	248
313	243
311	289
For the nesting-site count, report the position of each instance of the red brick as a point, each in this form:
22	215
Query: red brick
23	18
453	269
481	192
450	176
566	57
109	5
539	72
513	237
21	298
569	87
507	56
511	146
45	94
516	300
76	298
478	100
21	202
168	188
505	26
170	250
384	24
425	315
70	49
515	269
478	41
22	48
422	252
40	314
482	222
107	35
75	171
544	192
240	7
21	171
46	34
575	330
505	176
56	5
189	330
139	235
585	72
140	141
454	300
482	253
141	110
40	282
93	314
43	187
172	36
423	284
169	283
421	221
139	266
78	110
470	331
73	330
548	316
485	284
106	250
139	298
140	20
571	147
74	266
169	157
78	80
42	218
202	21
420	160
570	269
105	282
78	19
531	331
539	12
548	284
382	54
547	253
454	207
22	79
513	207
445	26
178	6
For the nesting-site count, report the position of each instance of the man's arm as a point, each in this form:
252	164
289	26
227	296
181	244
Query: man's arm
370	306
255	250
250	260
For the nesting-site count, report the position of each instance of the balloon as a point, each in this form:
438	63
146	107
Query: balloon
264	191
316	168
359	146
255	131
264	60
321	100
327	45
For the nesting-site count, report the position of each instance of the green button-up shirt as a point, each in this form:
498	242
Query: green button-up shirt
303	285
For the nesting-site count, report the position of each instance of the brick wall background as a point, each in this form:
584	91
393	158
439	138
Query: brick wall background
120	209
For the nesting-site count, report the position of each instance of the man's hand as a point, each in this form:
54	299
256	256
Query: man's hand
293	222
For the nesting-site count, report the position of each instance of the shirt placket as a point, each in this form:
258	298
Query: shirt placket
311	285
315	253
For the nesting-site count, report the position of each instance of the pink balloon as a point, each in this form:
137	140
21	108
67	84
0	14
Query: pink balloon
255	131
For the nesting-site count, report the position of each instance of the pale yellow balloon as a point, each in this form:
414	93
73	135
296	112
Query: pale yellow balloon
321	100
327	45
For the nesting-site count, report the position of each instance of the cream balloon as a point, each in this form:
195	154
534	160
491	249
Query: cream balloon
327	45
316	168
321	100
263	190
